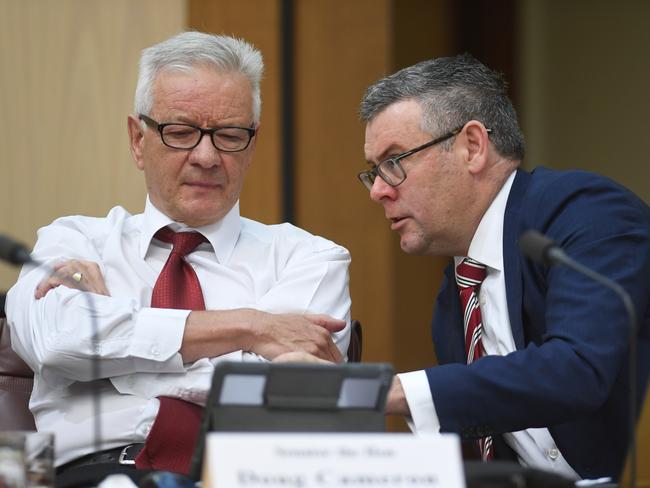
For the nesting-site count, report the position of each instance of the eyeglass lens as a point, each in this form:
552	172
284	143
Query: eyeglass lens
186	137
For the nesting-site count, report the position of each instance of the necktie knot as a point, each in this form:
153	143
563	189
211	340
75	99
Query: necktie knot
470	273
182	243
177	285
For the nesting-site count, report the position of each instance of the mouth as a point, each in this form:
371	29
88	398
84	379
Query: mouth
397	222
202	185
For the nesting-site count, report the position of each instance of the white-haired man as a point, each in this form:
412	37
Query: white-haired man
166	310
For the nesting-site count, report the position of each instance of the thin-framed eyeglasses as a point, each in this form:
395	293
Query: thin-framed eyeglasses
187	136
391	171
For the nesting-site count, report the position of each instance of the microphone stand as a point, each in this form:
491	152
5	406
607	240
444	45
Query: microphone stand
632	321
538	247
15	253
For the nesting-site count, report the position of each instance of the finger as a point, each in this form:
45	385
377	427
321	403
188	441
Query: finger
96	282
329	323
63	272
46	285
335	353
299	357
328	350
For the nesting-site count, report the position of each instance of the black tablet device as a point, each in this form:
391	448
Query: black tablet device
294	397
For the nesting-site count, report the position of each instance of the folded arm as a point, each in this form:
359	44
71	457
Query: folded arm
53	327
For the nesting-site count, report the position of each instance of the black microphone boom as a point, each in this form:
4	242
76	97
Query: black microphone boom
539	248
13	251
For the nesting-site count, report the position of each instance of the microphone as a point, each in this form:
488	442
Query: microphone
540	248
13	251
16	253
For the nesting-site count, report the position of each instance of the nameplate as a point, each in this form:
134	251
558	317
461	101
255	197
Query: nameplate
255	460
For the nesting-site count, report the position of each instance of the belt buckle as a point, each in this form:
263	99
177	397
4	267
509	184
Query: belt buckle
122	459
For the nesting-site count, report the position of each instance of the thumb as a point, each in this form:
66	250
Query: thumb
327	322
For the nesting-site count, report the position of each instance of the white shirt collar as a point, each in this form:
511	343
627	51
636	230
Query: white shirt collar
487	244
222	235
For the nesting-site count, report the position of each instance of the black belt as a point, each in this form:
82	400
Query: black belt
124	456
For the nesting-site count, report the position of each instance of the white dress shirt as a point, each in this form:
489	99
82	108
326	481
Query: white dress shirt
534	447
246	264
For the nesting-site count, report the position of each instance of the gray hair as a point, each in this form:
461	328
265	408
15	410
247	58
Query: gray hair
452	91
189	49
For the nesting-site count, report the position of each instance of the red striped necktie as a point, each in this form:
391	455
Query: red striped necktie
172	439
469	276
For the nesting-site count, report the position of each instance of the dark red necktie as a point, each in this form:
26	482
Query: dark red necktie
469	276
172	440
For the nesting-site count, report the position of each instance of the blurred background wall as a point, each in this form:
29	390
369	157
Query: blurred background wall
578	72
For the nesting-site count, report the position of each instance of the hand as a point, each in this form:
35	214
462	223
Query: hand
211	333
299	357
277	334
82	275
396	403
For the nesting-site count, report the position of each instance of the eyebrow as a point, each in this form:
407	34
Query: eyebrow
178	119
387	153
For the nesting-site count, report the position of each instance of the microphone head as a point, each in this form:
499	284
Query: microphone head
13	252
536	246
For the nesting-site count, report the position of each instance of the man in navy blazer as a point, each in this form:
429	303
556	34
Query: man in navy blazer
444	146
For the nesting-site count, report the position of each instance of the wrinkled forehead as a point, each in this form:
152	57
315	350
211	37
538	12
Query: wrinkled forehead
397	126
201	88
201	74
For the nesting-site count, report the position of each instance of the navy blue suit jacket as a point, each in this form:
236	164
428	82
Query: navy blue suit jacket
570	370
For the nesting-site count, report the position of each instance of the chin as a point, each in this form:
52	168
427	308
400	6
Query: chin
200	217
410	247
418	243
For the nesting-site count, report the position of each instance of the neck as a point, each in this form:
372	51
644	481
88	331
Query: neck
489	185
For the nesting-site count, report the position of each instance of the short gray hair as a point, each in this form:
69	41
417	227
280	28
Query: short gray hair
189	49
452	91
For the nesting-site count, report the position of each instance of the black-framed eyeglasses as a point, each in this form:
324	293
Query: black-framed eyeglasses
187	136
391	171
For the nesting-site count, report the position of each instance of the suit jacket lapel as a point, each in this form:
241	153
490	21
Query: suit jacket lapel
512	255
447	326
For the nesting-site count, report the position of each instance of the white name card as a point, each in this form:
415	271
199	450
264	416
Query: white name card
255	460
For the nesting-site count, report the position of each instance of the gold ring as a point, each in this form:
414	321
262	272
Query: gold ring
77	277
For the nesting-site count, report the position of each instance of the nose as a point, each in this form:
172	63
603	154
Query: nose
205	154
381	190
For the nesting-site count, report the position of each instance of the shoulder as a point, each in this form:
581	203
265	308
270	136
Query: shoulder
549	184
82	227
580	198
290	239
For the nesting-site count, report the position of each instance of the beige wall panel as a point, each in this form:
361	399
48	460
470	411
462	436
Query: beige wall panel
585	83
68	77
341	47
257	21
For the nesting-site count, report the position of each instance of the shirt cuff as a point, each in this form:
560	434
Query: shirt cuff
424	419
158	333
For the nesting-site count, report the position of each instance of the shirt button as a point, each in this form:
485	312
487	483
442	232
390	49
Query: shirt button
154	351
483	301
553	453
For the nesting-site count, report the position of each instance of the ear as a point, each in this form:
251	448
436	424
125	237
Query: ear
257	135
477	146
253	144
136	140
